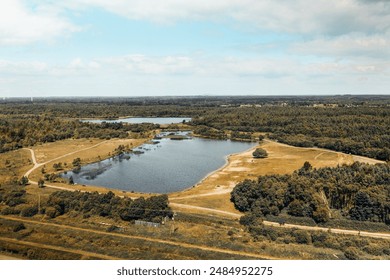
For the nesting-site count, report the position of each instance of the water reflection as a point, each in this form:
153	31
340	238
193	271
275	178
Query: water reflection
164	165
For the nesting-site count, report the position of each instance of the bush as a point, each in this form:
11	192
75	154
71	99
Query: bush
250	220
10	211
18	227
51	212
351	253
302	237
373	249
29	211
268	232
112	228
321	215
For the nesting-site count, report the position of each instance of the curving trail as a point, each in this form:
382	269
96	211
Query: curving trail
37	165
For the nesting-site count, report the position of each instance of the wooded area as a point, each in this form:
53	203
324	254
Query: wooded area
86	204
358	192
351	124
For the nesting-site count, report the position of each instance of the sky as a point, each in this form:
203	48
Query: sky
197	47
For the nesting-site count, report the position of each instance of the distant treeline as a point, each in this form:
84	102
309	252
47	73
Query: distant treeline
351	124
356	130
23	131
358	192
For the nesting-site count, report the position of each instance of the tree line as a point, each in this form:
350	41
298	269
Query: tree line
358	130
23	131
153	208
357	125
14	200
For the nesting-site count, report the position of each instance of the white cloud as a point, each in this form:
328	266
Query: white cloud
138	65
183	75
157	65
22	68
357	46
21	25
332	17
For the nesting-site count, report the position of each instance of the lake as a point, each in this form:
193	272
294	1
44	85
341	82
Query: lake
144	120
162	166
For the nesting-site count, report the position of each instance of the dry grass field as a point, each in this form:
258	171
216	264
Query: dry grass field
14	164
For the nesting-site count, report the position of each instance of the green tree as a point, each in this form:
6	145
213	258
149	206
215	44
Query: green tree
24	181
57	166
41	183
260	153
76	162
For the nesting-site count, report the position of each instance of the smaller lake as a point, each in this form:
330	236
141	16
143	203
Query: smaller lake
163	166
144	120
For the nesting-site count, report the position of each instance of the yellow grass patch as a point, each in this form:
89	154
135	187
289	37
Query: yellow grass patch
14	164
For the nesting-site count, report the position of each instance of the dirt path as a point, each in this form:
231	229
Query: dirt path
268	223
37	165
58	248
203	209
150	239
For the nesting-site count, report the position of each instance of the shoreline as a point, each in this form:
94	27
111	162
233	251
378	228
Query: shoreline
82	187
91	188
227	162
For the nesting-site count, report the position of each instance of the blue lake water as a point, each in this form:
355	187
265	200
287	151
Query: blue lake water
163	167
144	120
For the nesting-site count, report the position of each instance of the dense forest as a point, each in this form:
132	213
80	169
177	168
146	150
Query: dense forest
358	192
153	208
86	204
351	124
